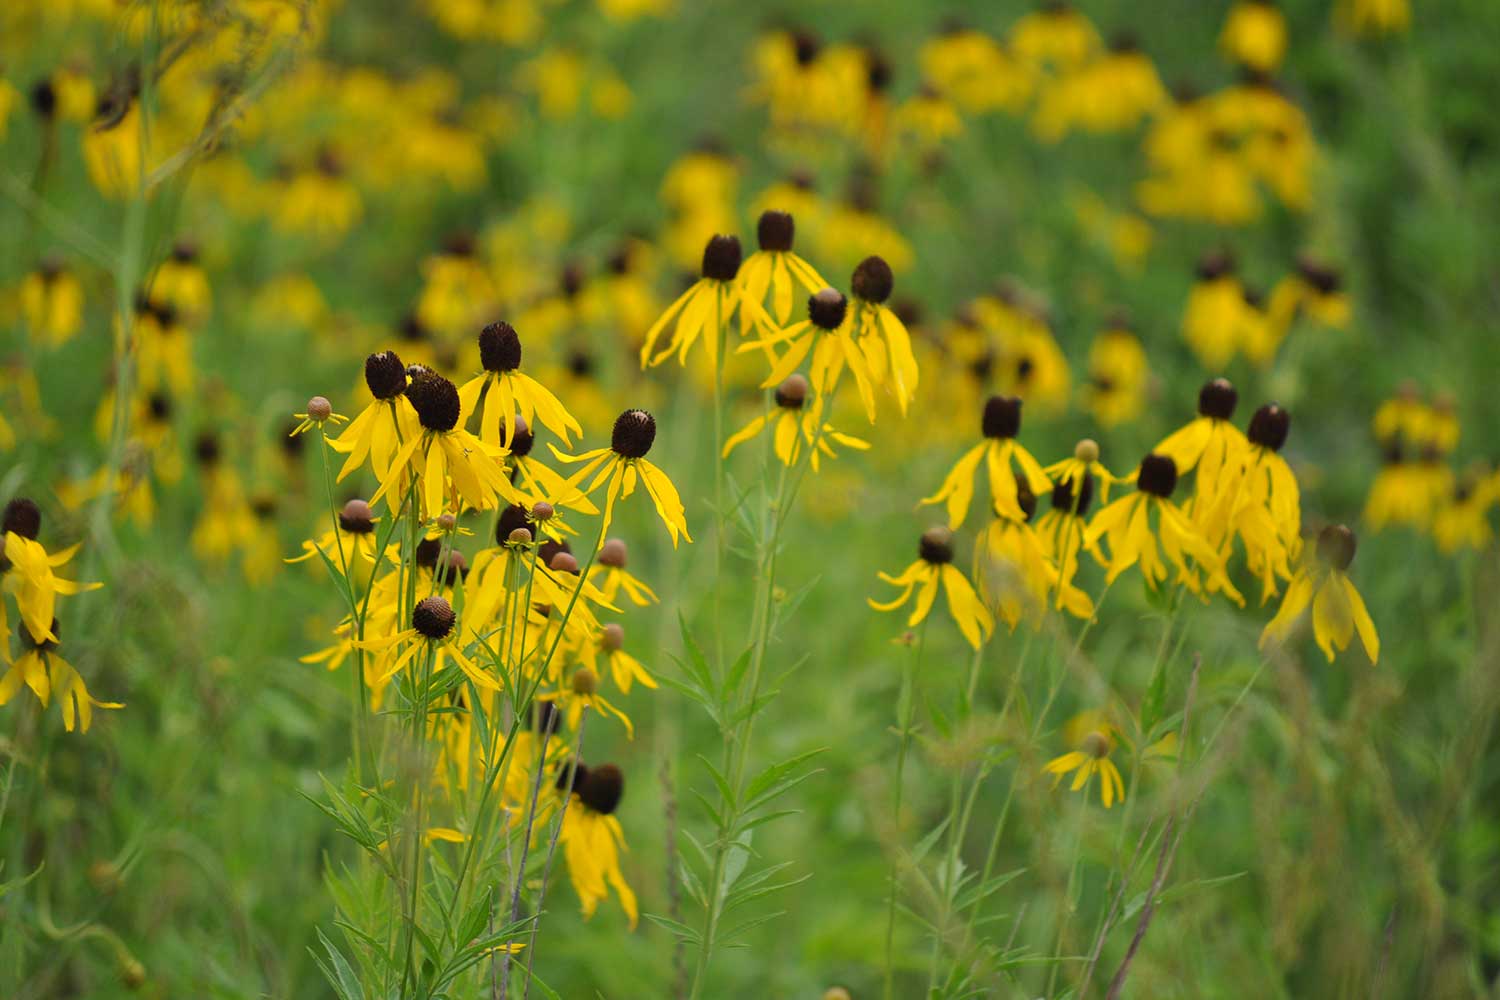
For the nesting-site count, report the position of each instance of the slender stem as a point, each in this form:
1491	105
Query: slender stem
358	700
905	709
562	815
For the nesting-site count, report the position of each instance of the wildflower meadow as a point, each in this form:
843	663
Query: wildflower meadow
656	498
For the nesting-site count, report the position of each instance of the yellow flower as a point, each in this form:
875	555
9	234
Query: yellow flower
796	423
181	283
622	463
1211	322
1001	423
776	268
1462	520
51	300
1132	540
47	674
591	836
1337	609
432	632
1209	442
27	569
385	425
1254	35
1075	473
582	691
1057	36
1374	17
444	453
1118	375
1015	576
1095	738
611	577
1063	534
507	391
352	541
933	569
319	412
705	310
623	668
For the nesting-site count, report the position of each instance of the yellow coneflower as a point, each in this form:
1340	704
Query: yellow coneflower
1063	532
352	540
999	451
705	310
1374	17
1118	374
382	427
51	301
1075	471
444	452
933	569
1254	35
1095	738
582	691
27	569
42	669
1211	322
180	281
610	575
1058	36
1259	503
1338	611
776	268
541	482
1015	576
1127	524
624	669
881	336
1209	441
319	412
1461	520
592	839
796	423
622	463
508	391
432	631
1315	290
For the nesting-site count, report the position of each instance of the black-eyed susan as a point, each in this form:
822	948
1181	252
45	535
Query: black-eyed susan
27	567
507	391
932	570
1094	738
611	575
796	422
705	310
1133	539
1001	454
444	453
49	676
621	464
1259	504
1322	583
776	268
382	427
592	839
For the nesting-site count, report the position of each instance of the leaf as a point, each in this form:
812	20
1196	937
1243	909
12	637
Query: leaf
678	930
765	784
340	974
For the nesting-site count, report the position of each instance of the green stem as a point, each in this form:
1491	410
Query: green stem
905	709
